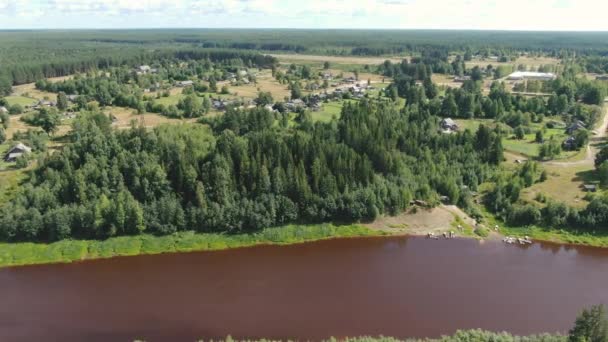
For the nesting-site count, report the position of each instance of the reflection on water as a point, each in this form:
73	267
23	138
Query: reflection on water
402	287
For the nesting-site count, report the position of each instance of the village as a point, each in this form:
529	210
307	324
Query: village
322	96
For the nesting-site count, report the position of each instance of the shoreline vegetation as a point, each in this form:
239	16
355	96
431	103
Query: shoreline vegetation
67	251
460	335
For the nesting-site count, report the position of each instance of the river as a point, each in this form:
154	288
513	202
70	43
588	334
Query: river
403	287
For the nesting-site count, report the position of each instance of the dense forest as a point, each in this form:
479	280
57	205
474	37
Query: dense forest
254	168
27	56
248	173
24	65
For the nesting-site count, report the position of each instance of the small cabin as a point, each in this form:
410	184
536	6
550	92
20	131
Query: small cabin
461	79
590	187
569	144
16	152
448	125
575	126
184	83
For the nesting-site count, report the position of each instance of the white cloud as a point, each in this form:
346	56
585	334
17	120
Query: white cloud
437	14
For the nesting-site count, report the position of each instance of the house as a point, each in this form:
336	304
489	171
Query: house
218	104
72	98
144	69
294	104
351	79
575	126
184	83
3	109
448	125
530	75
590	187
328	76
461	79
569	144
16	152
44	103
316	107
221	104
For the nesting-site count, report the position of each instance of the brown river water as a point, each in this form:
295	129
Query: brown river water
403	287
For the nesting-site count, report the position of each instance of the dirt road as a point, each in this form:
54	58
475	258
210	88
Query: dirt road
592	148
423	221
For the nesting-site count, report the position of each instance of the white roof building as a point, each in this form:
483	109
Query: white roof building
16	152
530	75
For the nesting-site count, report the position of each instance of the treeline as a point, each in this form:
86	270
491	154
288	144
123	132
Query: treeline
590	325
419	68
251	173
367	42
69	62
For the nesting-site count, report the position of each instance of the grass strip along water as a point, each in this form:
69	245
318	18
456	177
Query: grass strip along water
66	251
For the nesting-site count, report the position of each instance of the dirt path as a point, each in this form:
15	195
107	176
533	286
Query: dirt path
422	221
592	148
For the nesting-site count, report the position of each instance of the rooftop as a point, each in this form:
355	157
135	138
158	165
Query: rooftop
531	74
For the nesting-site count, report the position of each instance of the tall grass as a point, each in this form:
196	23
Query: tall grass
15	254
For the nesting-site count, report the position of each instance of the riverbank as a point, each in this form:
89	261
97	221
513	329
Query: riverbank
559	236
443	219
420	222
20	254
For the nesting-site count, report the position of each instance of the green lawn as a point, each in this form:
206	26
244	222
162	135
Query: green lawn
528	147
169	100
473	124
329	110
20	100
15	254
564	184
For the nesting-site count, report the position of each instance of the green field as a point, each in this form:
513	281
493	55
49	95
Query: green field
329	111
20	100
15	254
473	124
528	147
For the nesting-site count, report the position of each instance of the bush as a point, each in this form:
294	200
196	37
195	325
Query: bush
15	109
523	215
22	162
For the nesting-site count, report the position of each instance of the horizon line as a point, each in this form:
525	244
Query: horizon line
294	28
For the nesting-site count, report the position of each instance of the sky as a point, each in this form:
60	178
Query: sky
551	15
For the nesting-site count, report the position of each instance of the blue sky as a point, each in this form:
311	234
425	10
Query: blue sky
566	15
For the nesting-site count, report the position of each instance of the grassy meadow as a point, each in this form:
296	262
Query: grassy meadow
66	251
